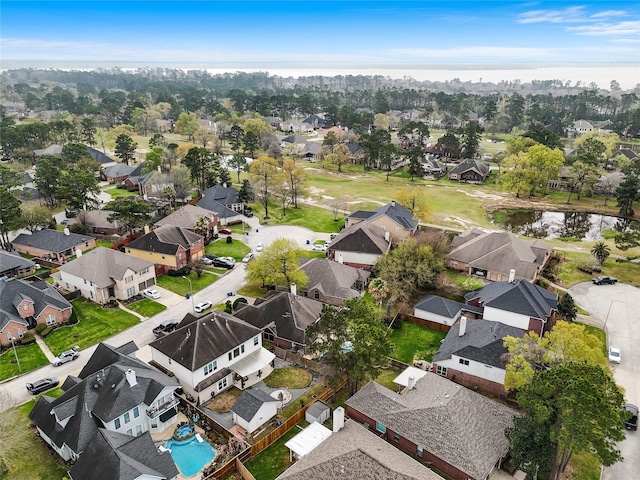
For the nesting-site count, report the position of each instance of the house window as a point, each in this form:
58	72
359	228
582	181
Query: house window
129	432
136	412
255	340
138	430
210	367
268	336
241	348
230	356
222	384
144	271
51	320
20	333
86	244
236	352
128	279
116	423
127	417
396	437
316	294
464	362
419	450
442	371
9	336
381	428
131	291
454	263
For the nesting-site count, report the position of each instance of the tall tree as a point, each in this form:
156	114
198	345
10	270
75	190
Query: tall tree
296	178
235	137
278	265
203	165
237	163
415	200
330	141
245	194
340	156
10	214
36	217
74	152
584	178
250	143
88	131
627	193
78	188
567	308
601	251
354	340
153	159
125	148
264	173
187	124
130	212
48	171
470	136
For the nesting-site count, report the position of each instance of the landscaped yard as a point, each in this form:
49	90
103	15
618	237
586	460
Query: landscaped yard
119	192
223	402
625	272
180	286
386	378
412	339
313	218
95	324
146	307
274	460
221	248
30	356
290	377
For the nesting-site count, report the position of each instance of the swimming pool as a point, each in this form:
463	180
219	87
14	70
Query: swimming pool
190	455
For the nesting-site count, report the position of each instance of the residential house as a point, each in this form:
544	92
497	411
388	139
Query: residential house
355	452
125	396
498	256
473	354
212	353
188	216
315	121
461	432
97	222
431	166
24	304
253	409
442	310
102	158
296	126
117	173
566	176
168	247
294	144
519	304
131	182
359	246
392	218
275	122
312	151
283	318
52	244
579	127
104	274
332	282
115	456
13	265
225	202
470	170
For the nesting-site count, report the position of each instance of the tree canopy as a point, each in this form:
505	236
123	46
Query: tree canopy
278	265
130	212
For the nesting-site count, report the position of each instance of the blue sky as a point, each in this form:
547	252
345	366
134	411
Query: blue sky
322	33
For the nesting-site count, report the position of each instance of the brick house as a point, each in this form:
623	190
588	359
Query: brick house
332	282
13	265
187	217
52	244
470	171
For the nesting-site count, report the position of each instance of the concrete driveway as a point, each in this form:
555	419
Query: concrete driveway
617	310
266	235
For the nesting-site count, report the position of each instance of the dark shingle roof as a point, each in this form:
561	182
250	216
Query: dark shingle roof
118	170
204	339
51	240
440	306
220	194
11	260
40	293
361	238
333	279
457	425
471	164
185	217
117	456
398	214
166	239
250	402
482	342
105	355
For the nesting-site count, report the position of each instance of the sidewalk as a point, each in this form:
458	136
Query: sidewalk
45	349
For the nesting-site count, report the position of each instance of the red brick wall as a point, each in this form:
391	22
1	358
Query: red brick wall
11	327
475	383
60	315
25	312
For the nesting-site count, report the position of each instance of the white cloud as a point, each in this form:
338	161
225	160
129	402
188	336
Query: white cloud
608	29
566	15
609	14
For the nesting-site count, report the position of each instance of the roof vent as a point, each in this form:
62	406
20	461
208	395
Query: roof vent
96	386
113	385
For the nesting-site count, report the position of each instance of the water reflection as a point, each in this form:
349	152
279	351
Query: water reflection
548	225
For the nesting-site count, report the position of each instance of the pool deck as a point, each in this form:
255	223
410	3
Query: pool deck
168	433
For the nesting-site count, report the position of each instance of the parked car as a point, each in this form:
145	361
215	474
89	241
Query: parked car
165	328
222	263
319	247
631	423
66	356
151	293
614	354
229	260
333	235
205	260
225	231
202	306
248	257
604	280
210	256
259	247
42	385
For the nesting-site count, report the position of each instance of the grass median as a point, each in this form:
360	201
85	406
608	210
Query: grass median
30	357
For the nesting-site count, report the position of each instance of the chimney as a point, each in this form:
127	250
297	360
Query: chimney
338	419
512	275
66	231
78	253
411	383
393	204
463	326
294	289
131	378
387	236
146	229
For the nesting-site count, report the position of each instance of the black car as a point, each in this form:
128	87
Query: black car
42	385
165	328
631	423
604	280
221	263
210	256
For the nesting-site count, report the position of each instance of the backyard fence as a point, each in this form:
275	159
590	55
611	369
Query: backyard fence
422	322
242	470
287	355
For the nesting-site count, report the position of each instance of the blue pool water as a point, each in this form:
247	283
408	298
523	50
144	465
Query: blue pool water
184	430
190	455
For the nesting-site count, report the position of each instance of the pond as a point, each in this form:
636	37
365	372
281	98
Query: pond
548	225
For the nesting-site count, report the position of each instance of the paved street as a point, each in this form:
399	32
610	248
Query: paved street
617	307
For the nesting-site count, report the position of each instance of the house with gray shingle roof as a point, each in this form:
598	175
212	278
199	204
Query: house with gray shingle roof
103	274
359	245
188	216
25	304
392	218
117	173
360	454
470	170
117	456
442	310
520	304
212	353
13	265
332	282
461	432
224	201
52	244
126	396
492	255
253	409
472	354
283	318
97	222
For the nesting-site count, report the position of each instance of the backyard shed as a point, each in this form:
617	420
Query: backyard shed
253	409
307	440
317	412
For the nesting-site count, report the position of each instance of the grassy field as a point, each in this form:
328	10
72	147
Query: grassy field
412	339
271	462
221	248
95	325
119	192
314	218
30	356
180	286
625	272
288	377
146	307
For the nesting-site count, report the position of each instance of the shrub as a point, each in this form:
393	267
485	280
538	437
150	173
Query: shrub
73	319
179	272
590	266
471	284
111	304
40	327
543	282
238	301
28	337
46	332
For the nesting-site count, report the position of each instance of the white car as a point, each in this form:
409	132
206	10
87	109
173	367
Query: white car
202	306
151	293
66	356
230	260
248	257
259	247
320	247
614	354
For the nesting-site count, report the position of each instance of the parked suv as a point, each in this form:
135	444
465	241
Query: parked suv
42	385
165	328
66	356
223	263
604	280
202	306
631	423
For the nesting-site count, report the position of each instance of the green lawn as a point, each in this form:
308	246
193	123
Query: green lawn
95	325
411	339
119	192
386	378
30	356
625	272
313	218
146	307
290	377
180	286
221	248
274	460
104	243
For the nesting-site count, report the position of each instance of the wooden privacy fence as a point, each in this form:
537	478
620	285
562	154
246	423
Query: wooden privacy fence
423	323
242	470
321	368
